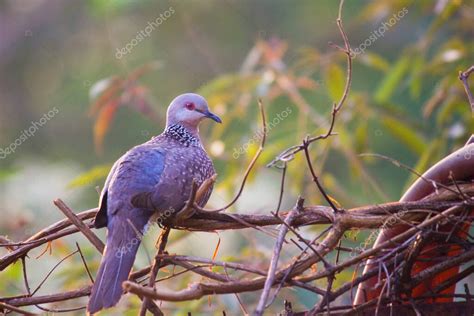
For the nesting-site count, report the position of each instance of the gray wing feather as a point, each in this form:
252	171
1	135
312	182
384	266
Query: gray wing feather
144	164
100	219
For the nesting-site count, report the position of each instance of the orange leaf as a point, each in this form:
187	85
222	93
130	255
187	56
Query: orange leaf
102	124
138	101
306	83
109	94
273	50
216	250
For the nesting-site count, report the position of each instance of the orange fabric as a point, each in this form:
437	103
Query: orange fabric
433	251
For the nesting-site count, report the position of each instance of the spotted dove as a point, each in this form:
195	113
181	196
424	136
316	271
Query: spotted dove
152	179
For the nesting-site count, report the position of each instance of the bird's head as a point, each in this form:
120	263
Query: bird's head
189	110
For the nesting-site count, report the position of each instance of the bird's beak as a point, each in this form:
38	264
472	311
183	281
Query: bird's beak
212	116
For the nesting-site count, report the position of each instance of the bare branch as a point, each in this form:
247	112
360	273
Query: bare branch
464	76
262	304
98	244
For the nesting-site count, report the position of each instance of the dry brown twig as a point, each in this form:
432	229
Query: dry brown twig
262	304
249	167
464	77
147	304
86	231
289	153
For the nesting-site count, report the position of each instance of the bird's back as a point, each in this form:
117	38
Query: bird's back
185	161
164	168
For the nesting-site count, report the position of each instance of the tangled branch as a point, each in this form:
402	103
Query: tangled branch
444	205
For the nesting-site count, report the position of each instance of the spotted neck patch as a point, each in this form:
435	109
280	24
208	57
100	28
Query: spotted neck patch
182	135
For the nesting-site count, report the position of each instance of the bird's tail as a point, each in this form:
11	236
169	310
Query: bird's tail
123	240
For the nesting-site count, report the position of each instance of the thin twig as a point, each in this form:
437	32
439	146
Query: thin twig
241	304
274	261
88	233
14	309
52	270
464	76
282	188
316	179
250	166
327	265
85	263
397	163
155	268
289	153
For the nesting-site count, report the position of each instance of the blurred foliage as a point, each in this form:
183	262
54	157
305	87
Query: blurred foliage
111	93
406	103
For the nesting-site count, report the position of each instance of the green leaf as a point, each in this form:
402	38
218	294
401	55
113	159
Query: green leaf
447	111
7	173
416	78
225	86
100	7
375	61
334	77
392	81
405	134
91	176
14	271
429	156
448	11
360	135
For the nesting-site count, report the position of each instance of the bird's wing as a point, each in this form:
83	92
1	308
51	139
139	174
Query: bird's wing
100	219
171	193
139	170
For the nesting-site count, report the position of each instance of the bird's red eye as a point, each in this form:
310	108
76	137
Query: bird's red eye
190	106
